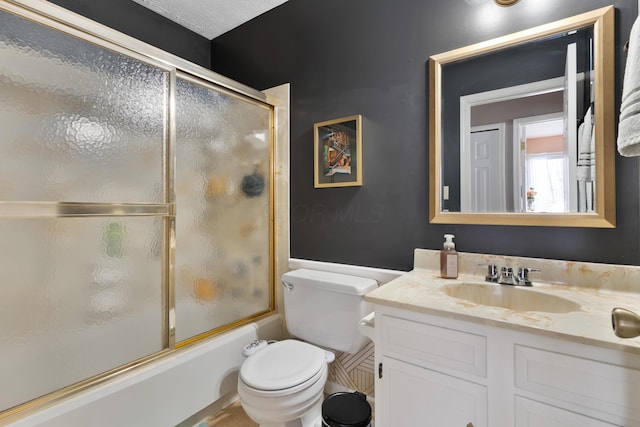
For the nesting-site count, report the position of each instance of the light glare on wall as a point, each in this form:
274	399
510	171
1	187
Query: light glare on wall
498	2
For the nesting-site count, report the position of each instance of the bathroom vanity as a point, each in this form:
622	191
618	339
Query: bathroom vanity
474	354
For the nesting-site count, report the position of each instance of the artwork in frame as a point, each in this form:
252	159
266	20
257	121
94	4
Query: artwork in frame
338	152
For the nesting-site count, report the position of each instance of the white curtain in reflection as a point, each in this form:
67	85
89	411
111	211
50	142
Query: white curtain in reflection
545	174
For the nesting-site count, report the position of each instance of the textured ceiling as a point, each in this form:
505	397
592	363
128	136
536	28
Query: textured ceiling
210	18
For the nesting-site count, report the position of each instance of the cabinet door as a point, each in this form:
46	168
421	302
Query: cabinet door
413	396
530	413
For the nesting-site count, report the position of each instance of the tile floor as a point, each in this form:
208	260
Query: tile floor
230	416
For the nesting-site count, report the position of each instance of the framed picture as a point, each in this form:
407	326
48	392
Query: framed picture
338	152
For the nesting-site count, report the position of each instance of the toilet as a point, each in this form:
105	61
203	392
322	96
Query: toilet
281	384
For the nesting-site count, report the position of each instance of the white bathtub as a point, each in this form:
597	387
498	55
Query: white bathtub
164	392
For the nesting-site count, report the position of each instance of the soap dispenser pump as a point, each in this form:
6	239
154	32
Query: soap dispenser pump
449	258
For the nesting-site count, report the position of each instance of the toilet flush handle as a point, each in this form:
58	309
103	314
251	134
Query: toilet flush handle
287	286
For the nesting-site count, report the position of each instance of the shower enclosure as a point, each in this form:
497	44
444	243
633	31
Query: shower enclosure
136	205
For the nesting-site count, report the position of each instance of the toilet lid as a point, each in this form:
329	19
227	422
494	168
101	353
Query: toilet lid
282	365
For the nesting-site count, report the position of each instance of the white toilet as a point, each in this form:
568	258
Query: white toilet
282	384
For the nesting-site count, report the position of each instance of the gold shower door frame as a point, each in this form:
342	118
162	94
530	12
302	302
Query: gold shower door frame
69	23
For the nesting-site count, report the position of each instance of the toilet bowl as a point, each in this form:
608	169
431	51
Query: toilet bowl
282	384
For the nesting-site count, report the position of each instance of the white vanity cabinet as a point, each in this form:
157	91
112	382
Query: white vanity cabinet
430	375
436	371
530	413
415	396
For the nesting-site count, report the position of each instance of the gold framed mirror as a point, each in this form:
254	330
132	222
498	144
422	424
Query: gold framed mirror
522	127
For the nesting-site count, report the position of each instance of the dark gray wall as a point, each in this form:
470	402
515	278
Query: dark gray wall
370	57
136	21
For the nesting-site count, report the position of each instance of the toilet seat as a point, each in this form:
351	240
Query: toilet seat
283	365
280	407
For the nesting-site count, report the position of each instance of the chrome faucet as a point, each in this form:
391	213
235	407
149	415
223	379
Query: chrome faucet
507	275
492	273
523	276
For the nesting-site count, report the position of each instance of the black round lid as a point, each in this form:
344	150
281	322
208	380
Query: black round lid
346	410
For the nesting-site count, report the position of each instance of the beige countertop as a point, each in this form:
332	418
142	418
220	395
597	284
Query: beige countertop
422	290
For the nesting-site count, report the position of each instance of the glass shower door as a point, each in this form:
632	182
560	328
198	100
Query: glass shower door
223	246
136	208
82	209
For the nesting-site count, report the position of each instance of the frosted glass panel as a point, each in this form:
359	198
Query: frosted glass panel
222	222
69	106
78	297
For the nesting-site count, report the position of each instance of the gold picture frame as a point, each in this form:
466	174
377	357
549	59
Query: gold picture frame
338	152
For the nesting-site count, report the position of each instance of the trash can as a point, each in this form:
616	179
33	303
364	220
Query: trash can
345	409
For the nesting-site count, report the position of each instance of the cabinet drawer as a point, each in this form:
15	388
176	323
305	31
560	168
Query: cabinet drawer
434	346
530	413
596	386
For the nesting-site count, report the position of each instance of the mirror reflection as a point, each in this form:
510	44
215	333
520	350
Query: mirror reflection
517	121
518	125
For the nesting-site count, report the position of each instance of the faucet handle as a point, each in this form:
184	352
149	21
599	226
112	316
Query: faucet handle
523	275
492	273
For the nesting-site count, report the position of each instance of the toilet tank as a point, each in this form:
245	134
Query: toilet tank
325	308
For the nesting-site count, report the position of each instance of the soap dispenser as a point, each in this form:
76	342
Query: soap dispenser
449	258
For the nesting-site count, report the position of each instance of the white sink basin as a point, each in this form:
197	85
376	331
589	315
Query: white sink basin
512	298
